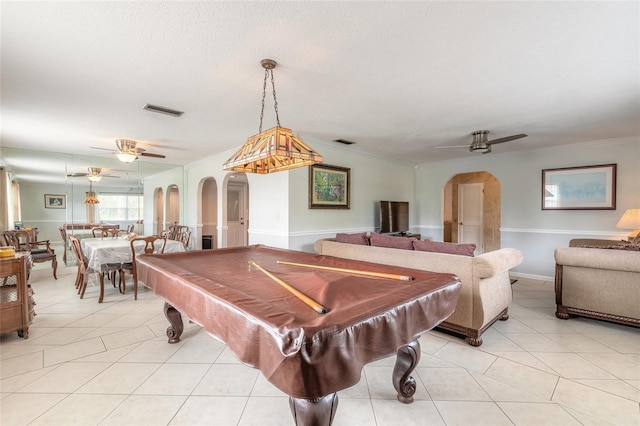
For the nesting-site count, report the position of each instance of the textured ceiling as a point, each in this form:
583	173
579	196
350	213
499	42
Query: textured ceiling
397	78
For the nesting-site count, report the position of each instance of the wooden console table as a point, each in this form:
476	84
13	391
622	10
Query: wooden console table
16	297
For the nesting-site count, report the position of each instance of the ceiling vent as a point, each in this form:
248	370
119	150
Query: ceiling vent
163	110
344	141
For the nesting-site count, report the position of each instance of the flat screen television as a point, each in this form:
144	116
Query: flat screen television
394	216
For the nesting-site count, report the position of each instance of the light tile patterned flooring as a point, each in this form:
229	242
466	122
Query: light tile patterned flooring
86	363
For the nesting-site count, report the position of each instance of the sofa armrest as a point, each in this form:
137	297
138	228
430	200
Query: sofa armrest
595	258
317	246
494	262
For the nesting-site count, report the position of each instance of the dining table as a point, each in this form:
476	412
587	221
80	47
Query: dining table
100	251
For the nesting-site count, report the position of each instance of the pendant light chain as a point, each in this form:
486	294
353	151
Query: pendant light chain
275	101
264	92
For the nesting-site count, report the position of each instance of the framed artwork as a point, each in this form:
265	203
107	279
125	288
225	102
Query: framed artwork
55	201
579	188
329	187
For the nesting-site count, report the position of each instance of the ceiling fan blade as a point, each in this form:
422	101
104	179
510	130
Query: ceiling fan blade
78	174
452	146
506	139
150	154
103	149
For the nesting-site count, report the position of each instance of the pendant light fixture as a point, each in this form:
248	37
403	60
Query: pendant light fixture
91	196
273	150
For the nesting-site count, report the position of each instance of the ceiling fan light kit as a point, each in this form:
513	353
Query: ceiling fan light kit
127	151
126	157
273	150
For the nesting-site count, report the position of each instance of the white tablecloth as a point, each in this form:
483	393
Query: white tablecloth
117	250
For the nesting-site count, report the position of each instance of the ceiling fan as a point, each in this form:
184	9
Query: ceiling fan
94	174
128	151
481	144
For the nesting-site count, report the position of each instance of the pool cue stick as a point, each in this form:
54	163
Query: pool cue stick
352	271
306	299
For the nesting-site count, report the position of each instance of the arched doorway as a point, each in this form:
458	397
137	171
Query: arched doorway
490	211
208	212
173	206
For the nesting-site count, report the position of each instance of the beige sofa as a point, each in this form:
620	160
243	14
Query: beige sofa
596	279
486	287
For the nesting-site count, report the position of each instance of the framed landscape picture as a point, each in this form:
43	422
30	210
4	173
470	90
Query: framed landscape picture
579	188
55	201
329	187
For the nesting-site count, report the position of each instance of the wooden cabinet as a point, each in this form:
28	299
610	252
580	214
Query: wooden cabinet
16	297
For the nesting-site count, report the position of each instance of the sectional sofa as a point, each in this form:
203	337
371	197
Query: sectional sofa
486	286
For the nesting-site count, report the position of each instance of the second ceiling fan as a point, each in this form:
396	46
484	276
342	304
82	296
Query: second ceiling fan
94	174
481	143
128	151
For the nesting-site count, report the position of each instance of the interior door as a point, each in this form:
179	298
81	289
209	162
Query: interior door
470	217
236	215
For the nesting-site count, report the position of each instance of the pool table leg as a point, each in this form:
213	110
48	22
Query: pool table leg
314	412
406	361
174	331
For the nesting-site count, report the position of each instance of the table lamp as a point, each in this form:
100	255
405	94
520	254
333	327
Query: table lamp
630	220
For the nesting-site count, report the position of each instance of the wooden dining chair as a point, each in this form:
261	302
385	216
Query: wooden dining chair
41	251
81	262
152	244
110	270
184	238
104	231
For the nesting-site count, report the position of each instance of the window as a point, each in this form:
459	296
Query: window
120	207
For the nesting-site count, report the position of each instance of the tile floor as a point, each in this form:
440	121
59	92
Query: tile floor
86	363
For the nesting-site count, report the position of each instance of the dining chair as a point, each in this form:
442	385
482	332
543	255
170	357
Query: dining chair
152	244
110	270
184	238
81	262
41	251
104	231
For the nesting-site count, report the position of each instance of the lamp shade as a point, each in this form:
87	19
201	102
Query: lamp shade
126	157
273	150
91	198
630	220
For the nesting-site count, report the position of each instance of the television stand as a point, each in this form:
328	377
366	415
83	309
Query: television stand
406	235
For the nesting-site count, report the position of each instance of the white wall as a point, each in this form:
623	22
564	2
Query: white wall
48	221
280	217
372	179
278	203
525	225
164	180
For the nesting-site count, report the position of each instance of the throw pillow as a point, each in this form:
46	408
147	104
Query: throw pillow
381	240
359	238
448	248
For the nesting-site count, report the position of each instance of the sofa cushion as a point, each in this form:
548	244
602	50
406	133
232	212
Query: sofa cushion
448	248
359	238
381	240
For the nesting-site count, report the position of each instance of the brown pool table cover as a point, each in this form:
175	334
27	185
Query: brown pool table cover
301	352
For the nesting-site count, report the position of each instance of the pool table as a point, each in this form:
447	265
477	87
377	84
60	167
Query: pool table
308	355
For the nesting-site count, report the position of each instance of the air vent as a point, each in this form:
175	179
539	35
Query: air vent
344	141
163	110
